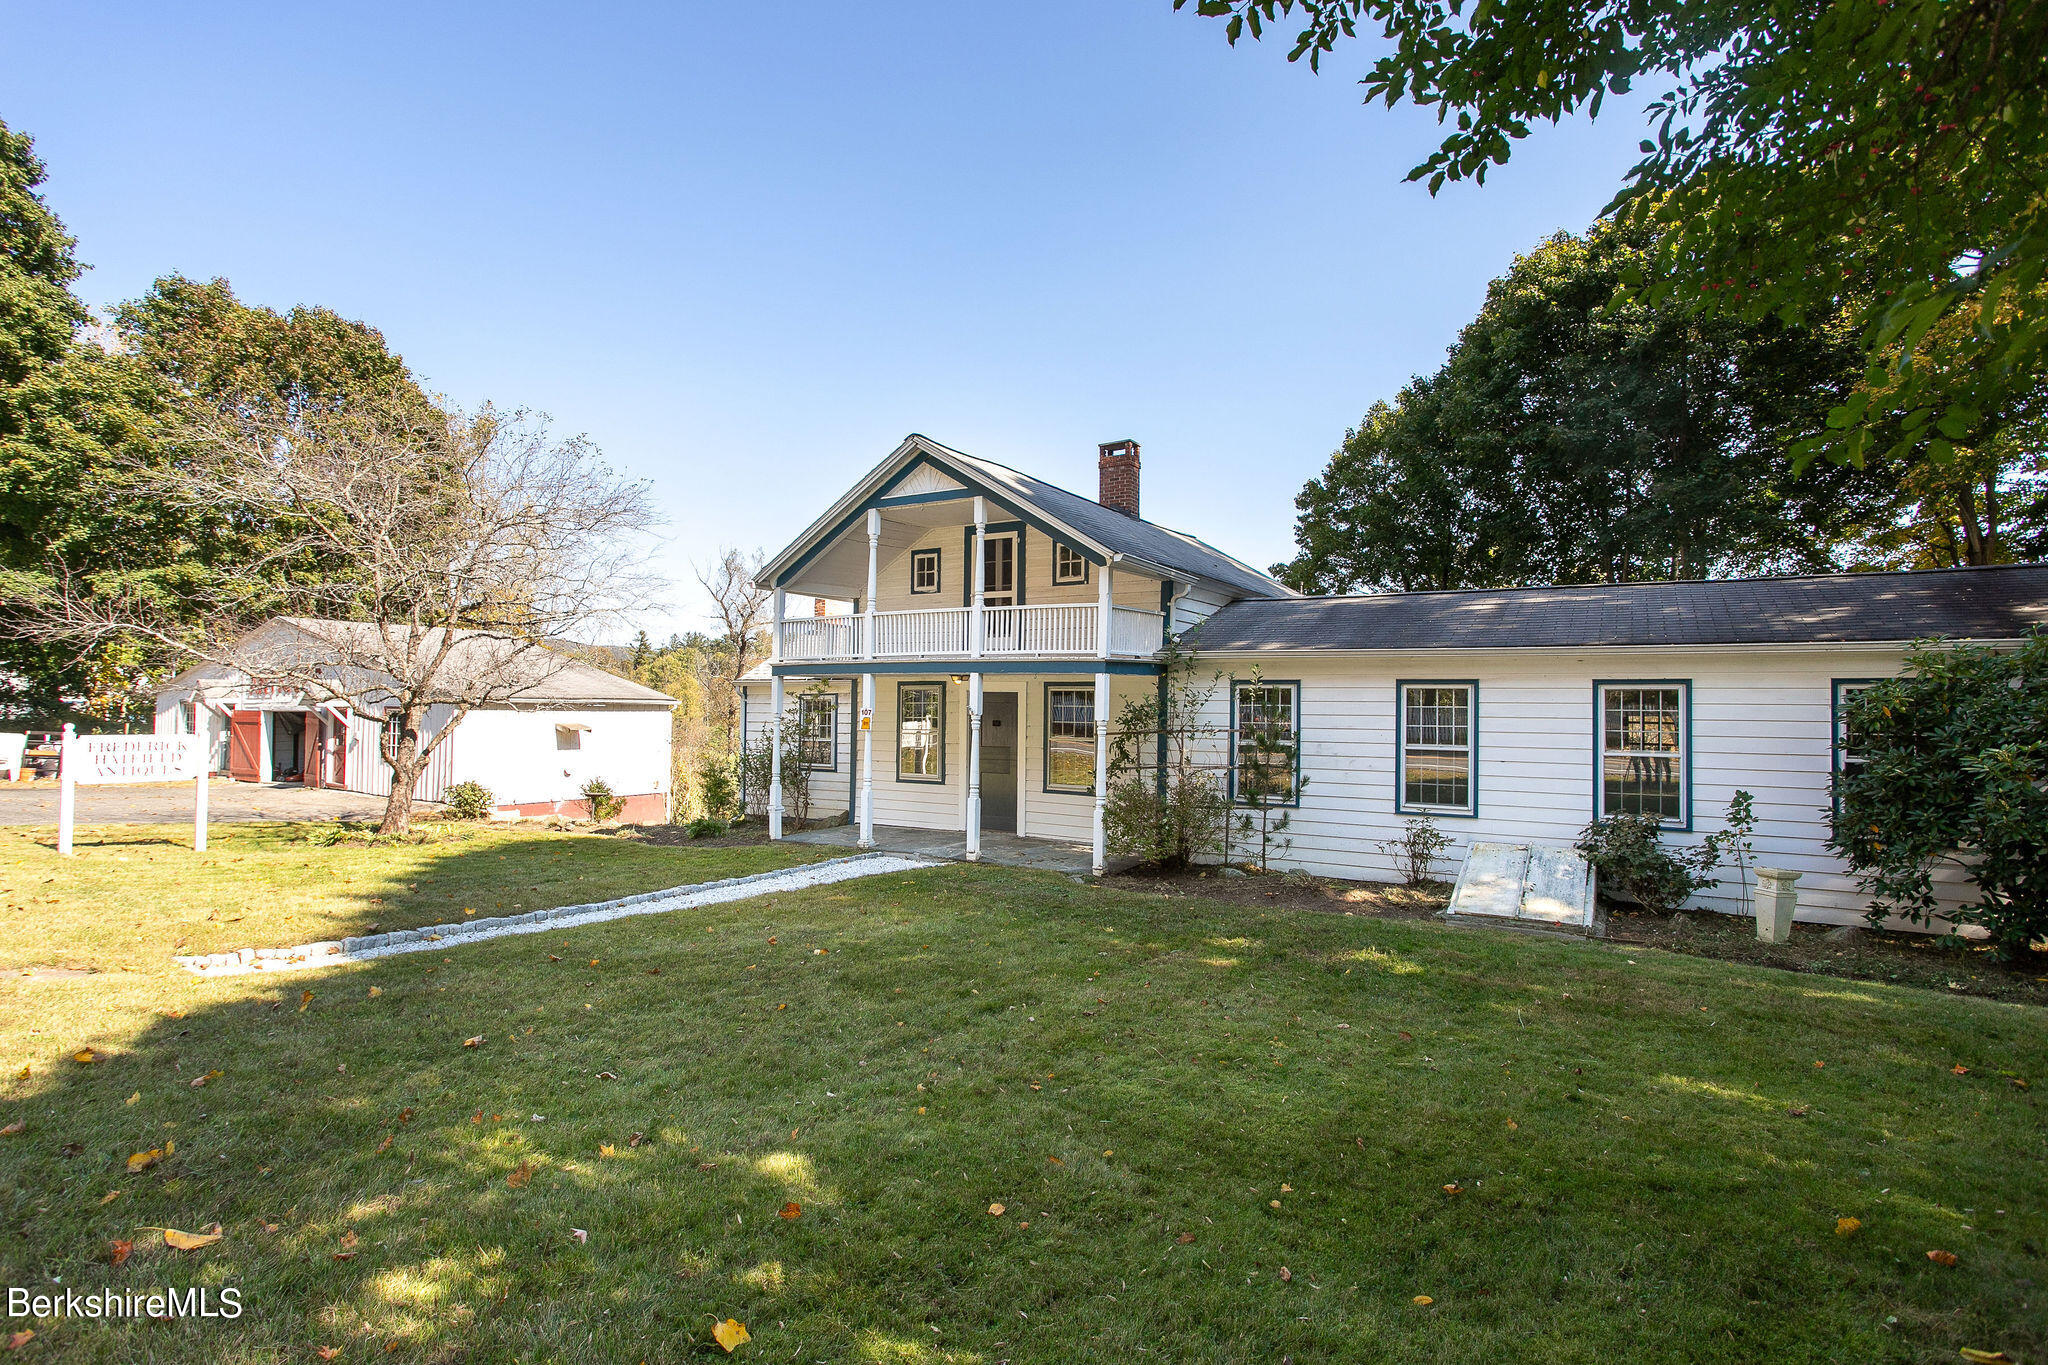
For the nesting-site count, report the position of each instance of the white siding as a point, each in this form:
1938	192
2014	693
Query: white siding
1761	721
892	573
366	771
513	753
829	788
1196	605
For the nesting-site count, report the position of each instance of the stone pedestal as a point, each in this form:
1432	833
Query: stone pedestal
1777	901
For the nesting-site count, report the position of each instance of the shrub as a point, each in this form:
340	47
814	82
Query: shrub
1171	827
1415	853
717	789
1954	770
469	801
1626	852
604	802
706	827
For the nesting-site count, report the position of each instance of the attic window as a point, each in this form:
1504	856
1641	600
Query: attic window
1068	565
924	571
569	736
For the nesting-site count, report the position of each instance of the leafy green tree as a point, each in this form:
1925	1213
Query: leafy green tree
1579	435
1951	772
1883	159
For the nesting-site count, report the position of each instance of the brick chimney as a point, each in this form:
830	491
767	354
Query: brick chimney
1116	465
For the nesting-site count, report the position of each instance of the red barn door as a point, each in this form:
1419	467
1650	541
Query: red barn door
245	742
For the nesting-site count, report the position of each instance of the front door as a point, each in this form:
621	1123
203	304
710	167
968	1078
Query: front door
1001	748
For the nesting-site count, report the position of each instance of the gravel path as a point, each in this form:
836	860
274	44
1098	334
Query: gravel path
440	937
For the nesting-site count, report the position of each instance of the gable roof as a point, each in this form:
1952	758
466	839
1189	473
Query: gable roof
2001	603
1173	554
553	680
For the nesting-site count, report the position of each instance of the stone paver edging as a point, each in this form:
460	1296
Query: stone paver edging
436	937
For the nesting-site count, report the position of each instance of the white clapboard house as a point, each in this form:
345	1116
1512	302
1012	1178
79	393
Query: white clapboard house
562	723
997	621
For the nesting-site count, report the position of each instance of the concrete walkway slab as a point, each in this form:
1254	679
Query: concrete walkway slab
1004	850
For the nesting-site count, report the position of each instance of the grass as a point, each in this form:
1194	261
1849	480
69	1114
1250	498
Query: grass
1172	1099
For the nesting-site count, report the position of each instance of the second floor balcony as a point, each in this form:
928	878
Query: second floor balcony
1061	630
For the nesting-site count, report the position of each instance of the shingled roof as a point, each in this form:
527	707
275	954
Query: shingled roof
2000	603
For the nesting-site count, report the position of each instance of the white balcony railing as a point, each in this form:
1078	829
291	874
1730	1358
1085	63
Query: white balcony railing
1055	630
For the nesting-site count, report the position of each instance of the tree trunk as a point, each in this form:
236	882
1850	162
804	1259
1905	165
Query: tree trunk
1974	551
406	763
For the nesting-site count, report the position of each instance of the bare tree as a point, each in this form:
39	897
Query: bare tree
417	560
740	606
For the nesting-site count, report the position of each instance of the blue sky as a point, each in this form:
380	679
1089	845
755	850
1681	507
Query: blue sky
748	248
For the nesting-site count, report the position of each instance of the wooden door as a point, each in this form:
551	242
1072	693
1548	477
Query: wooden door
245	742
1001	747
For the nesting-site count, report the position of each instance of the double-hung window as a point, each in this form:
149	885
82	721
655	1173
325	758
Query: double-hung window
1068	565
1439	738
1848	744
1070	739
1642	734
924	571
817	730
1265	743
921	732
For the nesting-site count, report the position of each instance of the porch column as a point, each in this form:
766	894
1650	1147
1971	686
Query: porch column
781	600
1101	772
775	740
1103	599
867	625
975	626
867	760
973	767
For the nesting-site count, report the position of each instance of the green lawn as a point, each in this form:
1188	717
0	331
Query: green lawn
1172	1099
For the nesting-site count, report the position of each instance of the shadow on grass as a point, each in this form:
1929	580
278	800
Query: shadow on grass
899	1055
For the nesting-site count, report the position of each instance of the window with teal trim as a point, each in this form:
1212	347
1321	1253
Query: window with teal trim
1068	565
924	571
1642	751
817	730
1070	739
1267	754
921	732
1436	747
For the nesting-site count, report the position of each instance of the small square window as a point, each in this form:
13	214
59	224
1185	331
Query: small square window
924	571
1069	565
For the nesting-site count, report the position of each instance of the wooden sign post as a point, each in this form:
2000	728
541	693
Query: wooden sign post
108	760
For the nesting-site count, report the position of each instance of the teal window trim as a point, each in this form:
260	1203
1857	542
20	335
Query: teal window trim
806	703
1060	550
944	699
1402	806
1684	686
1294	684
1045	742
937	561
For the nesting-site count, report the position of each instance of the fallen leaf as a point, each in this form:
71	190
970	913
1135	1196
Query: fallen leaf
327	1352
1273	1203
607	1075
520	1174
305	999
477	1041
142	1161
190	1241
1454	1189
995	1210
1797	1111
636	1139
1943	1257
731	1334
22	1074
405	1115
376	991
1847	1227
593	962
1056	1161
1184	1238
71	1149
21	1338
199	1081
1959	1069
132	1098
554	957
1423	1299
121	1251
1513	1125
477	1117
111	1195
1971	1353
345	1255
1286	1275
14	1129
707	1165
606	1149
385	1145
792	1210
85	1056
1406	1036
